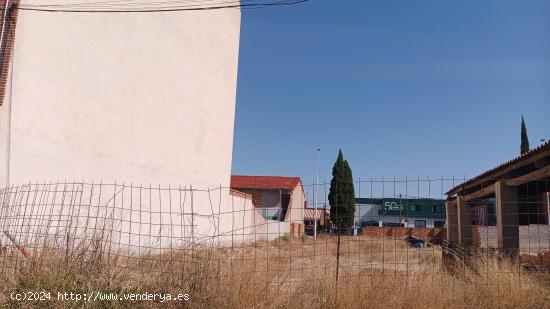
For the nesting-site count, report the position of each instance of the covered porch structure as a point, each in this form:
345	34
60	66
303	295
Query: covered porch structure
519	190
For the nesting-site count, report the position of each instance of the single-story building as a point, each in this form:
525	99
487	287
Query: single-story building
277	198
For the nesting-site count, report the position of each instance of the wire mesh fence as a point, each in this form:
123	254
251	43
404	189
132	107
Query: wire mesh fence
279	247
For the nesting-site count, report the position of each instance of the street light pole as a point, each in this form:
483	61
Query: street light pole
315	193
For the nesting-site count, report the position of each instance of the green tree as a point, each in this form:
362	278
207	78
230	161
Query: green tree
524	137
341	196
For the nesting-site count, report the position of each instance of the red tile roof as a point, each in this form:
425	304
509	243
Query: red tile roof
264	182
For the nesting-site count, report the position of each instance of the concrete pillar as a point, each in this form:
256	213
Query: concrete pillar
507	212
546	207
464	214
452	221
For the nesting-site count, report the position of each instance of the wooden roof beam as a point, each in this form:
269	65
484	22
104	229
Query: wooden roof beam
538	174
480	193
539	158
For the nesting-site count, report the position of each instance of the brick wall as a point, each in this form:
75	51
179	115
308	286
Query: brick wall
542	259
433	235
297	229
427	234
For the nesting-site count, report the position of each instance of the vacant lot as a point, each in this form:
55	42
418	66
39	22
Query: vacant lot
285	273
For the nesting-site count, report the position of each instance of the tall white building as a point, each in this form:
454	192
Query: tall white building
134	97
141	98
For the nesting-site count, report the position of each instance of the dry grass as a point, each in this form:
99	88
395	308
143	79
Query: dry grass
286	273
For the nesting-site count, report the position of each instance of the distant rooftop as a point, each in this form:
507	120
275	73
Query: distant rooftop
264	182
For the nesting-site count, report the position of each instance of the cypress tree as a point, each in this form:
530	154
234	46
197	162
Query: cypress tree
524	138
342	194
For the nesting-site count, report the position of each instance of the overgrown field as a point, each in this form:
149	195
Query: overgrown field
284	273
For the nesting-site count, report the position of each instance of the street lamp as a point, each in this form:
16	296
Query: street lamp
318	151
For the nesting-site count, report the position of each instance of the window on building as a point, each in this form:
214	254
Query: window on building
439	223
415	208
419	223
437	209
391	224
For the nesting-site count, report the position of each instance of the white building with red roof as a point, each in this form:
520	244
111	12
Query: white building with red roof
277	198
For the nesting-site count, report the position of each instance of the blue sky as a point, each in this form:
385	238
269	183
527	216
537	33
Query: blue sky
405	88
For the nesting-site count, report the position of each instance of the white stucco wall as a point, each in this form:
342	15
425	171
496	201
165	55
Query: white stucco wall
136	219
141	97
296	206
